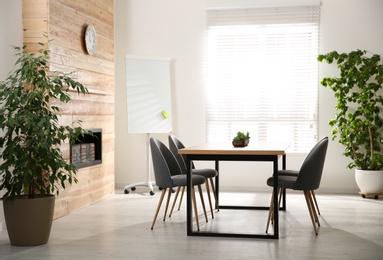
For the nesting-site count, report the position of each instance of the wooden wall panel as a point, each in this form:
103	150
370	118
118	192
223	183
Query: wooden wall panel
35	23
65	22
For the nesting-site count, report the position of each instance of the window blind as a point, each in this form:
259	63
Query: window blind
262	74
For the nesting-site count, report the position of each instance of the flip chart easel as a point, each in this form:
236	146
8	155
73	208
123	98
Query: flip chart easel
148	102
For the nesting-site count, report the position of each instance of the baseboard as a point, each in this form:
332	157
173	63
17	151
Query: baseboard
227	188
268	189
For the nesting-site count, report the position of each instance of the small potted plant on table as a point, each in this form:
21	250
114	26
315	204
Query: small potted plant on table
241	139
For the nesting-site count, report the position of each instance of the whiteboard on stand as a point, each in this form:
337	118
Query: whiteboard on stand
148	95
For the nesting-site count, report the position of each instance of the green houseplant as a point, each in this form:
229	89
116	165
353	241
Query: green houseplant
241	139
358	121
32	165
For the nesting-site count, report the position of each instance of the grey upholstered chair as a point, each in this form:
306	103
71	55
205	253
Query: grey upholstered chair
307	180
167	174
294	173
209	174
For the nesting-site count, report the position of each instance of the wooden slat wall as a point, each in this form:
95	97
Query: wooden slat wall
65	22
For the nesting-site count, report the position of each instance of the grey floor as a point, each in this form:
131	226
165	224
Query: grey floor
119	228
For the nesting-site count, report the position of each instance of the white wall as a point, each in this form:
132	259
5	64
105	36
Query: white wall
175	29
10	34
164	28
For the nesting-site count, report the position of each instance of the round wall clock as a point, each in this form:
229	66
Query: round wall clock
90	39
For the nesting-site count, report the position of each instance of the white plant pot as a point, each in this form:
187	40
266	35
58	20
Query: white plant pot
369	181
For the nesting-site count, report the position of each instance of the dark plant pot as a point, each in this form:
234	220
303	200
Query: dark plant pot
241	143
29	221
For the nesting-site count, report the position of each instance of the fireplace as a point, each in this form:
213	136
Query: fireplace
87	151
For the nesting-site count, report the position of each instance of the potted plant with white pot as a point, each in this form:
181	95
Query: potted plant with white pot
358	121
33	169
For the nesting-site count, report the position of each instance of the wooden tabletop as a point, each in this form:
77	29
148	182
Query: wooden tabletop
254	148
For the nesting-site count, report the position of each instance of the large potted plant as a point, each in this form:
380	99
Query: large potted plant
358	121
33	169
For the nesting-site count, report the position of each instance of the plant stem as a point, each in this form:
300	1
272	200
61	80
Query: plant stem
371	144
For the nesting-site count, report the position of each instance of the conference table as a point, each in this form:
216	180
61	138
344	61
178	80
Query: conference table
255	152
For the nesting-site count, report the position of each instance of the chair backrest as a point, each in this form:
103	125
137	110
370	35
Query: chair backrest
164	163
174	145
311	170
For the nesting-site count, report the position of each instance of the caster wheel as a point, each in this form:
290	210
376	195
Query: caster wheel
133	188
376	197
126	191
363	196
151	193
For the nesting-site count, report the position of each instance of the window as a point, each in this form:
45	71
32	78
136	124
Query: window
262	74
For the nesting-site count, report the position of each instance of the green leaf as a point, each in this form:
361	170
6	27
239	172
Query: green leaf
358	118
30	145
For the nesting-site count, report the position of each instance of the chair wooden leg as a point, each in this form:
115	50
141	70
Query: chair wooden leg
280	197
313	208
174	201
202	201
270	212
315	201
181	197
158	207
195	207
280	194
214	192
167	202
209	198
310	208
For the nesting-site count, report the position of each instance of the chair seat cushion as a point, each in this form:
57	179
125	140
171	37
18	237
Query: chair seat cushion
284	182
207	173
288	173
181	180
